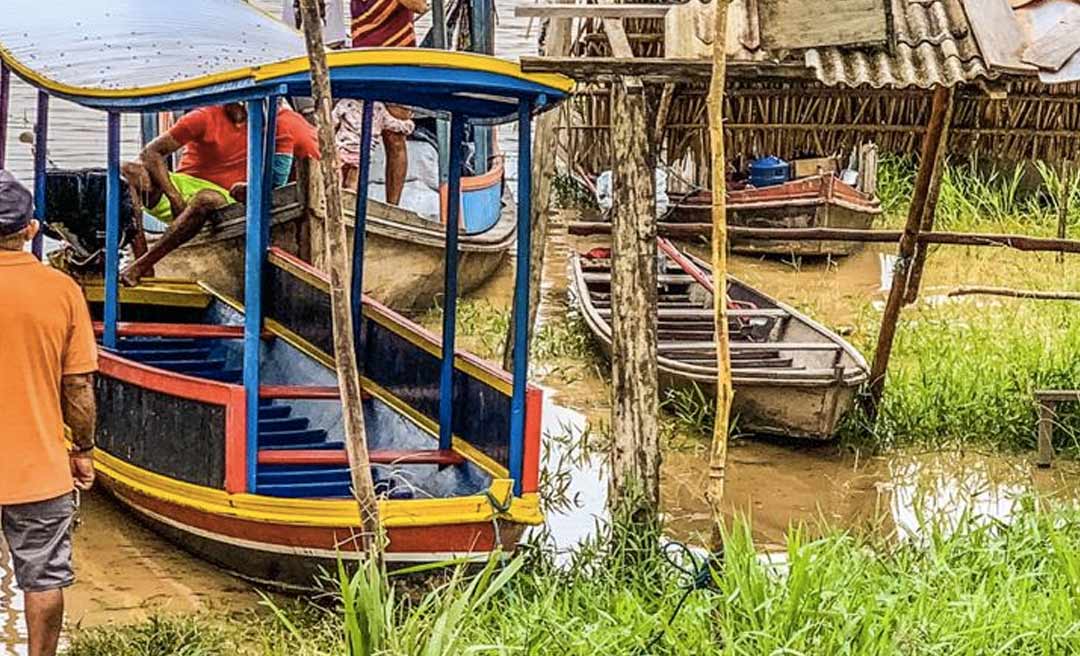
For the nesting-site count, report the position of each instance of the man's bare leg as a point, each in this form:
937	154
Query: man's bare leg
183	228
44	619
397	165
143	192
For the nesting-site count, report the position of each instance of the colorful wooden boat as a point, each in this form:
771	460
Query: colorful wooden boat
792	376
220	417
819	201
172	433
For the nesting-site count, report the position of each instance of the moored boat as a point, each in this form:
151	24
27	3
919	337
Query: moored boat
220	418
818	201
791	375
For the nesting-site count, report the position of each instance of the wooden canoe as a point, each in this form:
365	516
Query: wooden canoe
819	201
792	376
172	445
405	254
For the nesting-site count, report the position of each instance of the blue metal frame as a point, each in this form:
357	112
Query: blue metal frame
453	213
521	297
41	160
148	127
269	151
356	296
112	233
255	253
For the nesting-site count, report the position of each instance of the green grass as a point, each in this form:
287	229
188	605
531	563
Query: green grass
985	588
976	200
964	376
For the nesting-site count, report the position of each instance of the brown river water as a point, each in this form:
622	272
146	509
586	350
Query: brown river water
126	573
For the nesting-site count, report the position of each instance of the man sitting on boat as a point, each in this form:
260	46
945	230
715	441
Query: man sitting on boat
211	175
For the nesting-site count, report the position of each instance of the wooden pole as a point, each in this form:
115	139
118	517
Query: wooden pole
719	448
1032	294
635	477
338	261
929	211
545	151
1063	204
908	240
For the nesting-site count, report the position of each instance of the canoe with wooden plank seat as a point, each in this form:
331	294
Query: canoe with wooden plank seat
404	267
792	376
220	419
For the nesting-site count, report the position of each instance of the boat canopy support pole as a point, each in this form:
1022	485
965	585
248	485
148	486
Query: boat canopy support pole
453	211
5	103
356	297
255	251
112	232
41	158
521	297
269	143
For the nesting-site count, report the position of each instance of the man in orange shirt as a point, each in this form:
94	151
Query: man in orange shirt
49	355
212	168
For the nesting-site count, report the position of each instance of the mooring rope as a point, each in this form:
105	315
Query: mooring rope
698	576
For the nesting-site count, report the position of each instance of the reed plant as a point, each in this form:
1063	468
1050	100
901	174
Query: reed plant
964	374
978	199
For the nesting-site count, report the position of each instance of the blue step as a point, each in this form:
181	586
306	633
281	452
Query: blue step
267	411
157	355
297	439
223	375
192	366
319	446
148	343
279	425
292	476
306	490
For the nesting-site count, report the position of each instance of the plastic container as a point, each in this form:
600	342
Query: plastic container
769	171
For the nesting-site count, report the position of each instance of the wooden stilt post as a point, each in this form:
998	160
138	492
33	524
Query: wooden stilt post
546	142
338	261
635	479
908	241
929	212
1063	204
718	451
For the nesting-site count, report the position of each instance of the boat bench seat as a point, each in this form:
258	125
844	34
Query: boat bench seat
1047	402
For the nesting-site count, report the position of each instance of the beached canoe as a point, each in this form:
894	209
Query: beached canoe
819	201
792	376
405	252
171	443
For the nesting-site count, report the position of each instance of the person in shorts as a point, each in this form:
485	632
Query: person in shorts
50	356
211	173
382	24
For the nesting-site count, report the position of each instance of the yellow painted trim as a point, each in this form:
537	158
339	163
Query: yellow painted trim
153	292
425	423
327	513
336	59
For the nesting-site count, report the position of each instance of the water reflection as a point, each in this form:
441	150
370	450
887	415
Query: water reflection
12	620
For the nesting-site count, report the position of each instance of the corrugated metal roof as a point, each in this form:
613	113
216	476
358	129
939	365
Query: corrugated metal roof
934	46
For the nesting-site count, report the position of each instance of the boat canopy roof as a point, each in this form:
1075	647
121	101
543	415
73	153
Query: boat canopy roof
139	55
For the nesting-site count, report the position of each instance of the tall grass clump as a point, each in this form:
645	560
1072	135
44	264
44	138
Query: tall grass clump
981	199
161	634
964	375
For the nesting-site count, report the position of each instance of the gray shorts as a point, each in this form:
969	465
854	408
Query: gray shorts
38	535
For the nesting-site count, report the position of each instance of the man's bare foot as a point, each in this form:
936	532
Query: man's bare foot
130	277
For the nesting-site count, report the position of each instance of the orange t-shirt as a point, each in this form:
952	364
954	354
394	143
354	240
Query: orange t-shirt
45	333
215	148
297	135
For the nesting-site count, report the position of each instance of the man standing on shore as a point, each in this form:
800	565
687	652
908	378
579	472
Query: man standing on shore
49	357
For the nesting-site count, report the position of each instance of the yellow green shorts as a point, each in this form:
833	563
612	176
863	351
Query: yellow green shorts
188	186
